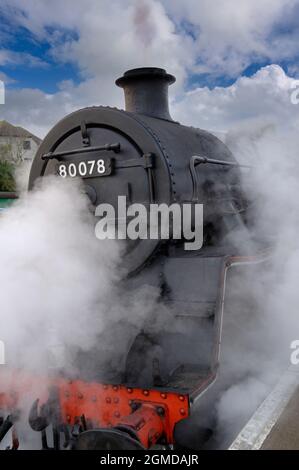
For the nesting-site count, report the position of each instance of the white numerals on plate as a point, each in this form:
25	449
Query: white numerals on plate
91	167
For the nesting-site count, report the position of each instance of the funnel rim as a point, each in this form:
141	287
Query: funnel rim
145	73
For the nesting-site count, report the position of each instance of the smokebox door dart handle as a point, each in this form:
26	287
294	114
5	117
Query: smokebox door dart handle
108	147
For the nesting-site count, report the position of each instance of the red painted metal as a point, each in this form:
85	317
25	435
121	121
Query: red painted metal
150	414
106	405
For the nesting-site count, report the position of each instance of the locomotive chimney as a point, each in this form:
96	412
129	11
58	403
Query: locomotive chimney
146	91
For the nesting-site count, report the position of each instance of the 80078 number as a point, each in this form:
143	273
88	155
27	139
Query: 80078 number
85	169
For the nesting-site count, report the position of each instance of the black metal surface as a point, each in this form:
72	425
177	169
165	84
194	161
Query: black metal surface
170	180
5	427
39	420
159	161
84	133
186	352
142	184
106	439
146	91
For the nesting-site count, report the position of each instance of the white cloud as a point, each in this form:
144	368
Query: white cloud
230	35
266	95
103	39
8	57
109	36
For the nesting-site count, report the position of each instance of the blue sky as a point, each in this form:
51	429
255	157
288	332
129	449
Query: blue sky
47	74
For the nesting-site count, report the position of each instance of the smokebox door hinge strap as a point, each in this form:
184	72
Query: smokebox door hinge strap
84	134
146	162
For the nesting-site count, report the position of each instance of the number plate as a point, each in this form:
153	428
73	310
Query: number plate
90	168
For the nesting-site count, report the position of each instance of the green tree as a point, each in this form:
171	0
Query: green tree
7	181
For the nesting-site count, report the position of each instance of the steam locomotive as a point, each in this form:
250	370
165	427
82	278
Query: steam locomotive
143	154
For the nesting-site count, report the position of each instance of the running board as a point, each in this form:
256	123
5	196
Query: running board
275	424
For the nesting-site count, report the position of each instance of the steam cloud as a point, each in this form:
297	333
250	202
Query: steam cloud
60	290
54	276
257	337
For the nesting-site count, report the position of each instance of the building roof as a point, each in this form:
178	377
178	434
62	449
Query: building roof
8	130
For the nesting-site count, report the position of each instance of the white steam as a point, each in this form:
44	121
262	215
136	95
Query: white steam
55	276
258	348
62	305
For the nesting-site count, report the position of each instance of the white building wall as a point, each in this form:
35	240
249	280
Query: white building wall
18	152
